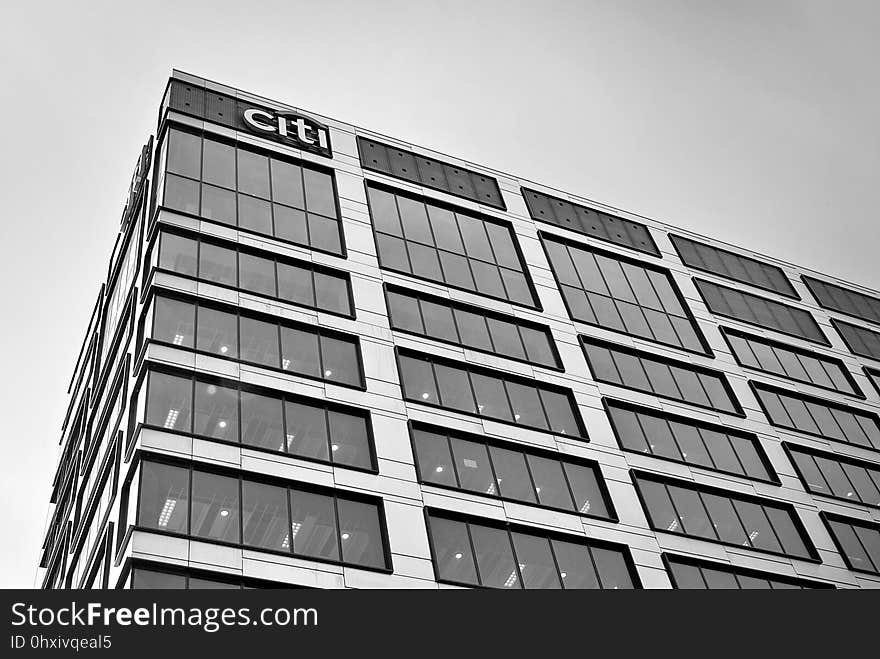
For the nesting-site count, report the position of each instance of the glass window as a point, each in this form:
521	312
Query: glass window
350	440
340	359
259	342
439	323
561	411
414	219
331	293
169	401
254	215
295	284
183	153
215	507
313	525
575	565
219	164
174	321
324	234
164	497
550	483
473	331
452	551
457	271
526	405
473	467
178	253
612	569
536	562
757	526
181	194
262	422
218	264
287	186
418	379
218	204
434	458
306	430
216	411
512	474
253	174
491	397
299	352
319	193
494	557
455	388
360	534
538	346
584	482
217	332
506	338
264	516
143	579
290	224
257	274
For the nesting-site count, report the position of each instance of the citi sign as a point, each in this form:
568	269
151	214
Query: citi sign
302	131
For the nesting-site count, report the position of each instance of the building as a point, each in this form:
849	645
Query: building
326	358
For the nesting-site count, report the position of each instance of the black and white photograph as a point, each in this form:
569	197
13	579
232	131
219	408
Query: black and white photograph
425	296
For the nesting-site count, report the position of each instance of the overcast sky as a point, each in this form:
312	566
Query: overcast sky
754	122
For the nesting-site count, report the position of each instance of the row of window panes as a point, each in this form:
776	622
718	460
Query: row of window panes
626	296
686	509
450	247
589	221
150	579
471	327
760	311
295	349
859	542
860	340
264	419
789	362
276	277
274	197
732	266
241	511
815	416
474	553
490	394
645	372
689	574
676	438
833	476
468	462
844	300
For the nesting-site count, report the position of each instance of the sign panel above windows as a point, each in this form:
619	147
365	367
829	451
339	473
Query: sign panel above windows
294	129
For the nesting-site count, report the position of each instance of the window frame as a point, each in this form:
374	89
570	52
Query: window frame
823	341
873	375
242	583
524	450
262	479
828	517
791	293
170	123
480	311
510	528
727	332
479	216
277	321
544	237
491	372
162	227
729	495
791	448
836	324
141	388
584	339
756	386
810	282
735	570
608	402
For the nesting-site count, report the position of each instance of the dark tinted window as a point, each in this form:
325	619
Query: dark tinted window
760	311
449	246
435	381
857	540
643	371
626	296
471	327
837	476
684	508
860	340
643	430
845	300
790	362
693	574
472	552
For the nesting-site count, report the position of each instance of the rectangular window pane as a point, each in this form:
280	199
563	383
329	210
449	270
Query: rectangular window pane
218	332
264	516
313	525
360	534
306	430
216	411
262	422
169	401
259	342
215	507
164	497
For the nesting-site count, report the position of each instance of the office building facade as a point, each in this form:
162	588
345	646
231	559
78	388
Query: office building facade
326	358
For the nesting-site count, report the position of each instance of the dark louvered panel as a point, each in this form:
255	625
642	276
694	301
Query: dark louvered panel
187	99
436	174
220	108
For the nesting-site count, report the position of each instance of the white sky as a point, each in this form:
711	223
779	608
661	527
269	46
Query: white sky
752	121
